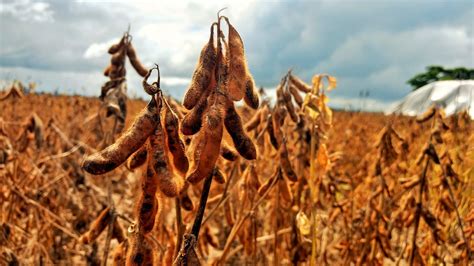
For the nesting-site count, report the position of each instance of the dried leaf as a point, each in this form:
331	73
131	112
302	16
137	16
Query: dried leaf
303	224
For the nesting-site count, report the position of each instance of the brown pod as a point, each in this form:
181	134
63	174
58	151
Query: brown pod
122	71
168	256
137	159
246	238
113	72
251	183
251	94
219	177
105	89
148	205
117	72
254	121
238	70
192	121
299	84
107	70
137	65
116	47
279	115
285	92
202	75
285	163
242	143
286	95
285	190
209	237
170	184
35	125
174	142
147	211
115	154
117	232
268	183
22	140
271	133
222	72
120	254
207	152
227	152
426	115
229	213
186	201
296	95
292	111
97	226
278	118
140	251
254	180
118	59
279	93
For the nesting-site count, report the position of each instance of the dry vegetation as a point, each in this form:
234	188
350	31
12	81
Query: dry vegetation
210	182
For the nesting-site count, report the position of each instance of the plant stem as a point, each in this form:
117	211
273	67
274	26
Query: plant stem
224	196
179	227
202	206
275	229
240	222
110	228
419	206
313	197
451	194
187	248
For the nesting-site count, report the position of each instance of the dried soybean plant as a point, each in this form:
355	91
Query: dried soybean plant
114	92
376	228
283	185
154	140
446	182
33	125
13	94
414	213
148	141
317	124
220	78
15	91
301	118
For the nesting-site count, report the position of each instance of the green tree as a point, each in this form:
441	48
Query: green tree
435	73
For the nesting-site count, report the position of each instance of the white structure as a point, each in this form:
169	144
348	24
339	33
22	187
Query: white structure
451	95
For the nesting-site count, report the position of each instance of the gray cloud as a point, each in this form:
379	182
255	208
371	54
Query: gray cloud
57	44
367	45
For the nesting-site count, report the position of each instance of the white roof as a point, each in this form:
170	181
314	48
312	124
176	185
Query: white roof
451	95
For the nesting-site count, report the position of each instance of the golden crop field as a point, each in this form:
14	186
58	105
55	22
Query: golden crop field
207	181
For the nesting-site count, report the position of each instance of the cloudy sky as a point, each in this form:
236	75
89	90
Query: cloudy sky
369	45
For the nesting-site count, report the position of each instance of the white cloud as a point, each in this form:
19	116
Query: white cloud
175	81
176	43
98	49
26	10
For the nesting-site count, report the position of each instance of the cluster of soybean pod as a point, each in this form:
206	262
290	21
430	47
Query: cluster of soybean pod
220	78
113	92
